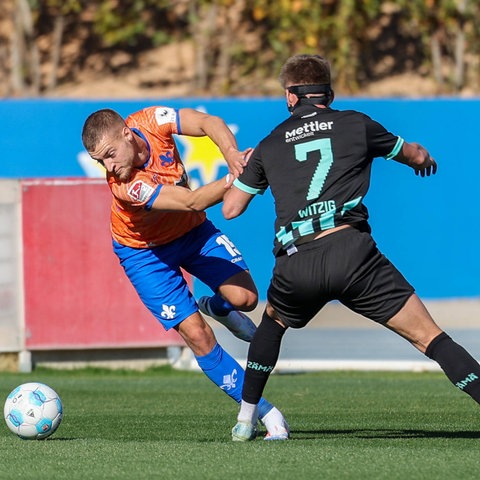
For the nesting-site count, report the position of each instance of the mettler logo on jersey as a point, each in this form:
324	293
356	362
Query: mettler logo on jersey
307	130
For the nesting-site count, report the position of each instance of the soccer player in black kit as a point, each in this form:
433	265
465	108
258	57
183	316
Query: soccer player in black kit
317	164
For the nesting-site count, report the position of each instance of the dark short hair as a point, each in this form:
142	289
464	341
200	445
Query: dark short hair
98	124
305	70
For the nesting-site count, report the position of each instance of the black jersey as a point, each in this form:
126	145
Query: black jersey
317	164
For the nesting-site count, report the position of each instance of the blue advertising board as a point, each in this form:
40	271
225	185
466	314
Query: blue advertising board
426	226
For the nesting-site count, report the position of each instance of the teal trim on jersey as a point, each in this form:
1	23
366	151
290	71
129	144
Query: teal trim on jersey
351	204
398	146
284	237
247	189
327	220
304	228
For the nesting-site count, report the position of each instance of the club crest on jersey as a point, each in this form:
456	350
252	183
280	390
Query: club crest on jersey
166	158
140	191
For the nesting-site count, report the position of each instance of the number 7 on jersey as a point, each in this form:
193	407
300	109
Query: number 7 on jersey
324	146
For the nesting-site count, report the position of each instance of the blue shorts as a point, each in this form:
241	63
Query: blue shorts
156	273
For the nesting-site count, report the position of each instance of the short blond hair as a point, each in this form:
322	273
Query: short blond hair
99	124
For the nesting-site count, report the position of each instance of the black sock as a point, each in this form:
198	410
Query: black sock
262	358
459	366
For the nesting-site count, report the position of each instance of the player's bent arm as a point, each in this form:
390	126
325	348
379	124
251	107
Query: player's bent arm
199	124
181	199
235	202
417	157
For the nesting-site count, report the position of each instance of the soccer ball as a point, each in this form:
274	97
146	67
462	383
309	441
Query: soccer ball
33	411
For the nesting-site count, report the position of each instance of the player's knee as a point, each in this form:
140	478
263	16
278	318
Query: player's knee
240	291
245	300
250	301
241	298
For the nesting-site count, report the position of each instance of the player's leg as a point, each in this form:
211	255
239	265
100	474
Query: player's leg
197	334
381	293
262	357
225	372
240	291
293	299
220	265
165	292
235	295
414	323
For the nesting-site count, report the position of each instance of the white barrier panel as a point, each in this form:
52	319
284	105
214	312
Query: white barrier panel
11	288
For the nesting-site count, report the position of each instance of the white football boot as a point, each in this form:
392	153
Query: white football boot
276	425
237	322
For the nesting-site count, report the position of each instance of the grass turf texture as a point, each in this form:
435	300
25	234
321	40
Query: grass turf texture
164	424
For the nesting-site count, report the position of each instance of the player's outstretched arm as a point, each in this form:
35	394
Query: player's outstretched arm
235	202
417	157
199	124
181	199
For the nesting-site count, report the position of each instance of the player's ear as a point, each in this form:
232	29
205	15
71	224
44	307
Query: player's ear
331	97
127	134
292	99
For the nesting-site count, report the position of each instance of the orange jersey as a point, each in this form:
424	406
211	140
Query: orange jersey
133	222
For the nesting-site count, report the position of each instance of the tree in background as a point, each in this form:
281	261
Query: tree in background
237	44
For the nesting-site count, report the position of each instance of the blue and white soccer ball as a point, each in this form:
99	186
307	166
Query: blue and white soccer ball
33	411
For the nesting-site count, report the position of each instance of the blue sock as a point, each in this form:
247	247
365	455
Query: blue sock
220	306
225	372
263	407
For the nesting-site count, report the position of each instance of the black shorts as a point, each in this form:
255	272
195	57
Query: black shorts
345	266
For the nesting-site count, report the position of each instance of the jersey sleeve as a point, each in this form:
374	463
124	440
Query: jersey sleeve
381	142
157	120
140	191
253	180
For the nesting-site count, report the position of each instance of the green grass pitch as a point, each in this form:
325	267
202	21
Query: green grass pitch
164	424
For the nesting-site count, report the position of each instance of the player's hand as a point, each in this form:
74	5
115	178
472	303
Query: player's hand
237	160
429	167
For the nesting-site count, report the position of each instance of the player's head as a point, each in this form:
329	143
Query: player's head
306	80
98	124
107	139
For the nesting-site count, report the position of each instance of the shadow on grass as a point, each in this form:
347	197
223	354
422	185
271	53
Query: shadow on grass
387	433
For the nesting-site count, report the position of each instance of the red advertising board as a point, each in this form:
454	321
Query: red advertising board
76	293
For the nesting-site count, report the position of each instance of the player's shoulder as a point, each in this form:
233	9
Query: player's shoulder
350	113
354	117
136	191
153	116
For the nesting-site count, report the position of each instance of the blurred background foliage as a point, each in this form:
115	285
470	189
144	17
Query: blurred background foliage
237	46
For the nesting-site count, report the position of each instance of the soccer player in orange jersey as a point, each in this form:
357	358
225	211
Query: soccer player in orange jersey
159	227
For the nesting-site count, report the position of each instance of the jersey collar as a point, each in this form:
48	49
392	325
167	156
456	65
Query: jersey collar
136	131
